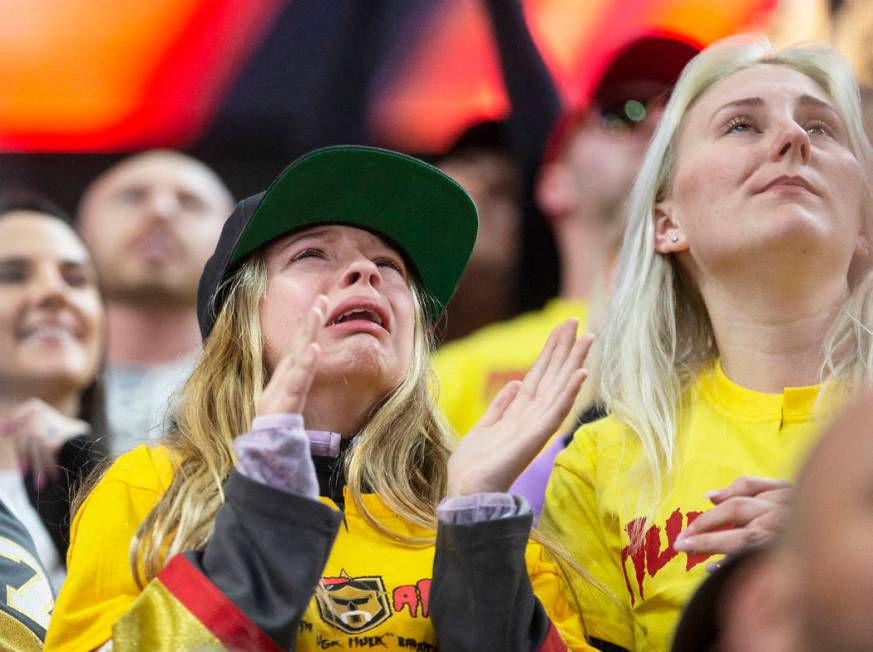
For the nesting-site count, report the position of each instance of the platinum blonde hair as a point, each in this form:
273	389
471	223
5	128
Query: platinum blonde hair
658	337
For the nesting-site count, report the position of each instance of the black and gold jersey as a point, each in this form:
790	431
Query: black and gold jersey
26	599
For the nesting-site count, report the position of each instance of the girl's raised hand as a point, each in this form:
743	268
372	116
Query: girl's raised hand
522	417
289	385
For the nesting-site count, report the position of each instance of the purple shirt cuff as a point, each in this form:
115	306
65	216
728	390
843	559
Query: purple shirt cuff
277	453
321	442
477	508
534	479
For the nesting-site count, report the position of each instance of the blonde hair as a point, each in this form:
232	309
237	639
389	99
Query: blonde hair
401	454
658	337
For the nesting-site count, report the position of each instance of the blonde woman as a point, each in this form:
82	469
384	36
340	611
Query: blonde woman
316	309
742	313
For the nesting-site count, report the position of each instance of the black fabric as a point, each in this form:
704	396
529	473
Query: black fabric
267	553
536	104
595	412
331	474
605	646
77	459
535	110
210	291
481	598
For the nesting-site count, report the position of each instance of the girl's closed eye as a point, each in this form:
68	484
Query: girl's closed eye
309	252
391	264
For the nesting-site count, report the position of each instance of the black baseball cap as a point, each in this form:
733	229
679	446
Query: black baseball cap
415	207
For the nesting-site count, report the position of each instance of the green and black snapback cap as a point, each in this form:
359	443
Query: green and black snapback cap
414	206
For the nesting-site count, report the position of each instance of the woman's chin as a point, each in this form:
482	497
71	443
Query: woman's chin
53	377
360	363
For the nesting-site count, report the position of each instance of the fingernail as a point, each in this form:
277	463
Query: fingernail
712	494
683	544
40	480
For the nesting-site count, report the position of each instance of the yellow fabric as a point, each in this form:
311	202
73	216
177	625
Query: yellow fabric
156	613
15	636
100	588
729	431
473	369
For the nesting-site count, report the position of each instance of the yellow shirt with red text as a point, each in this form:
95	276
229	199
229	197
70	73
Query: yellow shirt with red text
593	504
473	369
373	591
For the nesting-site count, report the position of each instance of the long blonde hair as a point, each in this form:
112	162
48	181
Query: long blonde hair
401	454
658	337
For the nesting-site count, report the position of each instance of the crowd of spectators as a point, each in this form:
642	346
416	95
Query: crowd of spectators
314	418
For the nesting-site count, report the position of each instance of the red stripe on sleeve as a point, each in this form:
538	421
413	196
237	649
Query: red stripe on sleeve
211	607
553	641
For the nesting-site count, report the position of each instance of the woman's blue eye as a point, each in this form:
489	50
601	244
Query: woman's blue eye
818	127
740	125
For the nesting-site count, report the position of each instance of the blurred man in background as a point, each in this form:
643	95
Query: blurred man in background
591	160
151	222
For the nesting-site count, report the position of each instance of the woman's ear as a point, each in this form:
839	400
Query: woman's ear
862	248
669	237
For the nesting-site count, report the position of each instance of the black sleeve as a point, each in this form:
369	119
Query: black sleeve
267	552
481	597
535	102
77	460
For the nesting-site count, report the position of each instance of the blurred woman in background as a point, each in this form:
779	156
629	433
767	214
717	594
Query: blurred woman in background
51	347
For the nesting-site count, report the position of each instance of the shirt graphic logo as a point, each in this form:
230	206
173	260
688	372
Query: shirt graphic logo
654	552
352	604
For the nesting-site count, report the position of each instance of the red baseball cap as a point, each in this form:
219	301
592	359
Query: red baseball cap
643	69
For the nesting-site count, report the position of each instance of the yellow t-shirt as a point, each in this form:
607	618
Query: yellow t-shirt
591	505
473	369
387	582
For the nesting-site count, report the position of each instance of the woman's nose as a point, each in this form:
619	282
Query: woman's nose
791	142
362	271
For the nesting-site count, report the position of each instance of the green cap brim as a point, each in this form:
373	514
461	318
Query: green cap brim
412	204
